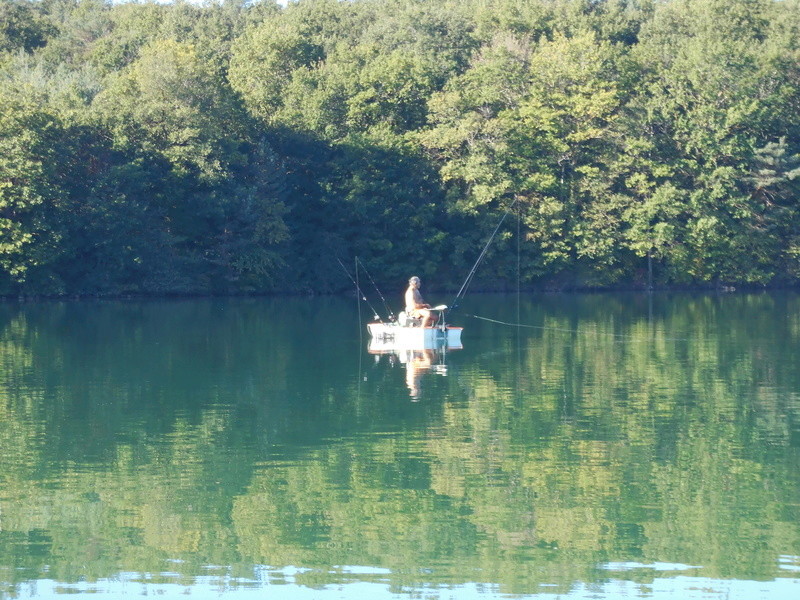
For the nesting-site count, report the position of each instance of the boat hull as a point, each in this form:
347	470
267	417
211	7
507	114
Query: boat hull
392	335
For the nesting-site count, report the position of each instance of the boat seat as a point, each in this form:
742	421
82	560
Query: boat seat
406	321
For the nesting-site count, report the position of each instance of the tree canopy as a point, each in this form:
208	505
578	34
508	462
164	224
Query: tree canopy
244	147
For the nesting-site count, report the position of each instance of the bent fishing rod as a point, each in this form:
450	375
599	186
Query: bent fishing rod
358	290
481	256
377	289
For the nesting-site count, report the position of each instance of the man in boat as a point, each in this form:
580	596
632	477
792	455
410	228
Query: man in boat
415	306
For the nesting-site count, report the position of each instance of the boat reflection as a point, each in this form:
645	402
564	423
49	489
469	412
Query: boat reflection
430	358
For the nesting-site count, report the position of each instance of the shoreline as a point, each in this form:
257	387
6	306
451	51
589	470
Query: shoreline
720	289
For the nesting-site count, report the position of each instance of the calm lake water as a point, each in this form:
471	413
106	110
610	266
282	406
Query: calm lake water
616	446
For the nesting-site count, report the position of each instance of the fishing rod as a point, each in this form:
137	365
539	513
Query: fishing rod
358	290
482	255
385	304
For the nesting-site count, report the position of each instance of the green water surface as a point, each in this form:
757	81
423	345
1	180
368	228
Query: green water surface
614	446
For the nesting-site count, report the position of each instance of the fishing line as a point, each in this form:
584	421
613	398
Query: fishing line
565	330
358	290
355	264
519	299
377	289
360	352
474	269
519	262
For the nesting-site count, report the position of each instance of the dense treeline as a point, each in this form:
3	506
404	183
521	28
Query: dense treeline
245	147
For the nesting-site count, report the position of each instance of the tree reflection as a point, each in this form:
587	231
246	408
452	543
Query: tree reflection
136	433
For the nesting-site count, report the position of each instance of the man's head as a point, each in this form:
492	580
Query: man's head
415	281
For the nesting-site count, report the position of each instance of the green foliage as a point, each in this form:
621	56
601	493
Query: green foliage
168	102
265	60
628	134
28	188
152	183
22	26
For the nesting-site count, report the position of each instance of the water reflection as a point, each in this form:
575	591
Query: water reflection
348	583
431	358
617	445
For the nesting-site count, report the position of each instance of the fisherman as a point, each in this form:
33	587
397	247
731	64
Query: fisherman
415	305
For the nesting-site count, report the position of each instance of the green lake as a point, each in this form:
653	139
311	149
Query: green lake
578	446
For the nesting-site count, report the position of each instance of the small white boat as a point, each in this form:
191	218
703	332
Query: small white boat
406	333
